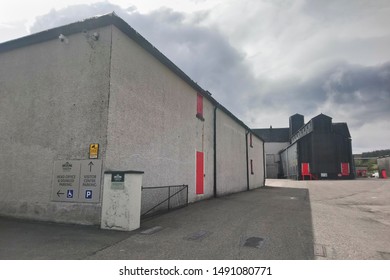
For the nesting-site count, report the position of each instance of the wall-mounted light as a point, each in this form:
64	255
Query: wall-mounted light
63	38
95	36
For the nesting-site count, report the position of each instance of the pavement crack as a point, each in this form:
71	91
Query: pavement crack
107	246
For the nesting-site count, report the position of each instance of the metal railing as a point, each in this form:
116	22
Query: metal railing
156	200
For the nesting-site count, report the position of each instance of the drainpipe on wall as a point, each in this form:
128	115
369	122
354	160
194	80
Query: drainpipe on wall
247	159
265	175
215	151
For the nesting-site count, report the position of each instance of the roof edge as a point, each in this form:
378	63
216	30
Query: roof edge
53	33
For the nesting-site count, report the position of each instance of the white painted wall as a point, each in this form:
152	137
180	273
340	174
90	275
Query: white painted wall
231	155
256	154
152	125
53	104
57	98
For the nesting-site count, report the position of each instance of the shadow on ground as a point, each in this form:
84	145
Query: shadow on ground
29	240
266	223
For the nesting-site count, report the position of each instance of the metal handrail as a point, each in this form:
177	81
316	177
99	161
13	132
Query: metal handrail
184	187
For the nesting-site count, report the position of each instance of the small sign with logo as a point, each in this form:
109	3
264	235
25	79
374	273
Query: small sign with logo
93	151
118	180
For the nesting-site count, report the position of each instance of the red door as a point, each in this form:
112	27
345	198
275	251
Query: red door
345	168
305	170
199	173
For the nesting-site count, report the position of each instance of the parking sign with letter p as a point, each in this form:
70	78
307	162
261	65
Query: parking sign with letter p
88	194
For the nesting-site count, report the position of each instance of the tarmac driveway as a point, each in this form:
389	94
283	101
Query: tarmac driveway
285	220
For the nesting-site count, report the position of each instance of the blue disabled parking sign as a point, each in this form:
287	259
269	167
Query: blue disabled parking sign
88	194
69	193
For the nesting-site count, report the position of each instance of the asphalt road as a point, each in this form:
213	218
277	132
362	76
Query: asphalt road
286	220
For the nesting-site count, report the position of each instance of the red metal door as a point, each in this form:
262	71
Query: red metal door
345	168
305	170
199	173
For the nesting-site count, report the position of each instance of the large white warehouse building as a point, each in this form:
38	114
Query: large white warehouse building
93	96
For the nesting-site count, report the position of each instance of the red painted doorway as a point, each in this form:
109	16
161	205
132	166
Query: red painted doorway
199	173
345	169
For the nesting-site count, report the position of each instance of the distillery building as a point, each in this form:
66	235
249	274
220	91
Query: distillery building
94	96
275	140
319	149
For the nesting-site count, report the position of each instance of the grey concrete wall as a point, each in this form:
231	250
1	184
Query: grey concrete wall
231	155
53	104
256	154
289	158
152	124
275	148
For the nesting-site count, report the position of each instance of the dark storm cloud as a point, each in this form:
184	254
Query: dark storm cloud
201	52
361	92
372	82
366	88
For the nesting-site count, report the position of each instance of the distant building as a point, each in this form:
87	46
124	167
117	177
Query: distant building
361	171
384	167
318	149
276	139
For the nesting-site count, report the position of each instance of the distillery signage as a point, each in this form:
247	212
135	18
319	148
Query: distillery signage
77	180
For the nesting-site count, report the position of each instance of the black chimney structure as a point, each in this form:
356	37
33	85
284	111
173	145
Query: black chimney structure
296	122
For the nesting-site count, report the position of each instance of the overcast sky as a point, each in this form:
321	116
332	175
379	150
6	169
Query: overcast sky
262	59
